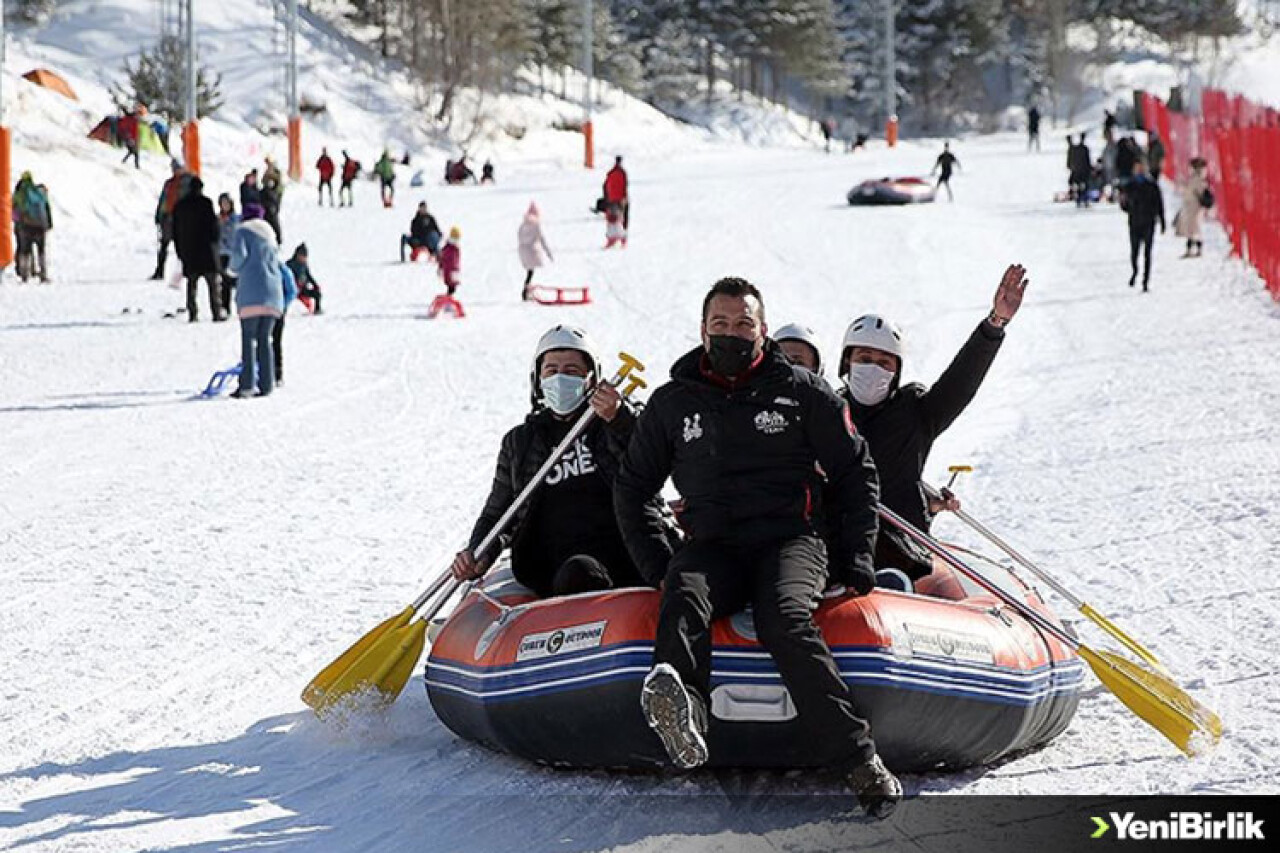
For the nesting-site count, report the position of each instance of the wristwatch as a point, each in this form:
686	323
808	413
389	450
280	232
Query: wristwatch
996	320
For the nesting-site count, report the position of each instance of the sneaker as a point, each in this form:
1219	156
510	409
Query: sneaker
878	791
678	716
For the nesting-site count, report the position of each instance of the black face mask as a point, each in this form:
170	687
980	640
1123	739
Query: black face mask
730	355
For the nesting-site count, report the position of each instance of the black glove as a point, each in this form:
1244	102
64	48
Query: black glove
859	575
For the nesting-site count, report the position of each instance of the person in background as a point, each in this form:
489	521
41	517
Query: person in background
175	187
195	241
385	169
531	245
1187	223
32	220
127	132
326	169
1155	156
228	221
617	193
272	196
450	261
486	172
945	163
424	234
1145	205
250	192
799	344
350	171
1033	128
307	286
255	263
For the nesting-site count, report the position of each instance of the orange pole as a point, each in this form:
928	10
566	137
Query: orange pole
191	146
891	131
588	138
295	147
6	202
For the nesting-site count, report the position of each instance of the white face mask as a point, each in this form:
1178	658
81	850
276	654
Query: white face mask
869	384
563	393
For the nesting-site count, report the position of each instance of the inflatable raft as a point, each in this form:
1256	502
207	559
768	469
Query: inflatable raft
948	675
891	191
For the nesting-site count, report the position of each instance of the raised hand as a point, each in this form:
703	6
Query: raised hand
1009	293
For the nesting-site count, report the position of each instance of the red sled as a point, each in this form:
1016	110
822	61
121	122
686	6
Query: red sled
544	295
447	305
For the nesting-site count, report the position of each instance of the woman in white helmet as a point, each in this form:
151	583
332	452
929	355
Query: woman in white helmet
900	423
565	539
800	345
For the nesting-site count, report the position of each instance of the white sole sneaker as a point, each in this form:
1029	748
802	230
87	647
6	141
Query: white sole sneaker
669	711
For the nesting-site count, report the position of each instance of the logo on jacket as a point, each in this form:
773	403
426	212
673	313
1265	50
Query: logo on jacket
692	428
771	423
577	461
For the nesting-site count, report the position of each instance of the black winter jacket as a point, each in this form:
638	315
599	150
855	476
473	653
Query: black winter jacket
195	235
422	227
524	448
743	460
901	430
1144	203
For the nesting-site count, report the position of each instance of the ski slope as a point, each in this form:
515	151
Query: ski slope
176	569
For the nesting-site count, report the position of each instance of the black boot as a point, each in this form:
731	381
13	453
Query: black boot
878	791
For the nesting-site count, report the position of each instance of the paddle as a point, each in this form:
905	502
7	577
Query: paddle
1152	696
1097	618
380	663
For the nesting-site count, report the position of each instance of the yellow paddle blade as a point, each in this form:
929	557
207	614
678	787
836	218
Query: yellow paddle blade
375	679
314	693
1191	726
1129	642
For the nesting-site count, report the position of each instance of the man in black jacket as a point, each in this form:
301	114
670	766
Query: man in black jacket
424	233
195	239
1145	206
739	429
565	540
900	423
1081	164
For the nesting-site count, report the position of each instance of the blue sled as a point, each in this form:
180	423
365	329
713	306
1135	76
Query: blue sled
218	381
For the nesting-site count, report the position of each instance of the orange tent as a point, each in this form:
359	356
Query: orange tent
45	77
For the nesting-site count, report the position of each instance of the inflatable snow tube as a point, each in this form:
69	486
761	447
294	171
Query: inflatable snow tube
948	676
891	191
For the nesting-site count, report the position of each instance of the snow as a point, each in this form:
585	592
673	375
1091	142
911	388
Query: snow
177	569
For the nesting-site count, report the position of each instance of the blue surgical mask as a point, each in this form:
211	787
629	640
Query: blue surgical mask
563	393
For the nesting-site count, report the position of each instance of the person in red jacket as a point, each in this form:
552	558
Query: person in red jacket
451	260
615	191
127	132
325	167
350	171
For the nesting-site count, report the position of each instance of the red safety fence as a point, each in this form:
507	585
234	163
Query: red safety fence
1240	140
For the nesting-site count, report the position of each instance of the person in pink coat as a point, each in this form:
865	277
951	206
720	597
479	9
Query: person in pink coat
450	263
532	245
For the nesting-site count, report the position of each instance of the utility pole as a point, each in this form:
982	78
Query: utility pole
588	70
890	76
6	199
191	125
295	118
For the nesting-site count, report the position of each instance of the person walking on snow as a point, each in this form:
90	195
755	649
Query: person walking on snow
531	245
195	241
617	192
385	169
260	295
326	169
1145	205
945	162
350	171
739	430
565	540
450	261
32	220
901	423
424	235
272	196
127	132
228	221
1080	162
1186	224
175	187
1033	128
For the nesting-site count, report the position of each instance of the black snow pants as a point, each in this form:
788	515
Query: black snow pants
781	581
1141	236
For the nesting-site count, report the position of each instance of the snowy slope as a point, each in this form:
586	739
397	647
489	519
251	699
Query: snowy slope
179	569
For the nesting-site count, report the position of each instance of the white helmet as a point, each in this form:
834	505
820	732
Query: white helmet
874	332
563	337
797	332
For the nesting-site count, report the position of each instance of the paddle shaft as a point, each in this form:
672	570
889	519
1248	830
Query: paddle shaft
991	536
1024	610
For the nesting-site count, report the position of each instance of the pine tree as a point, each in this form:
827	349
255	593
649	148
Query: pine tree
159	80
